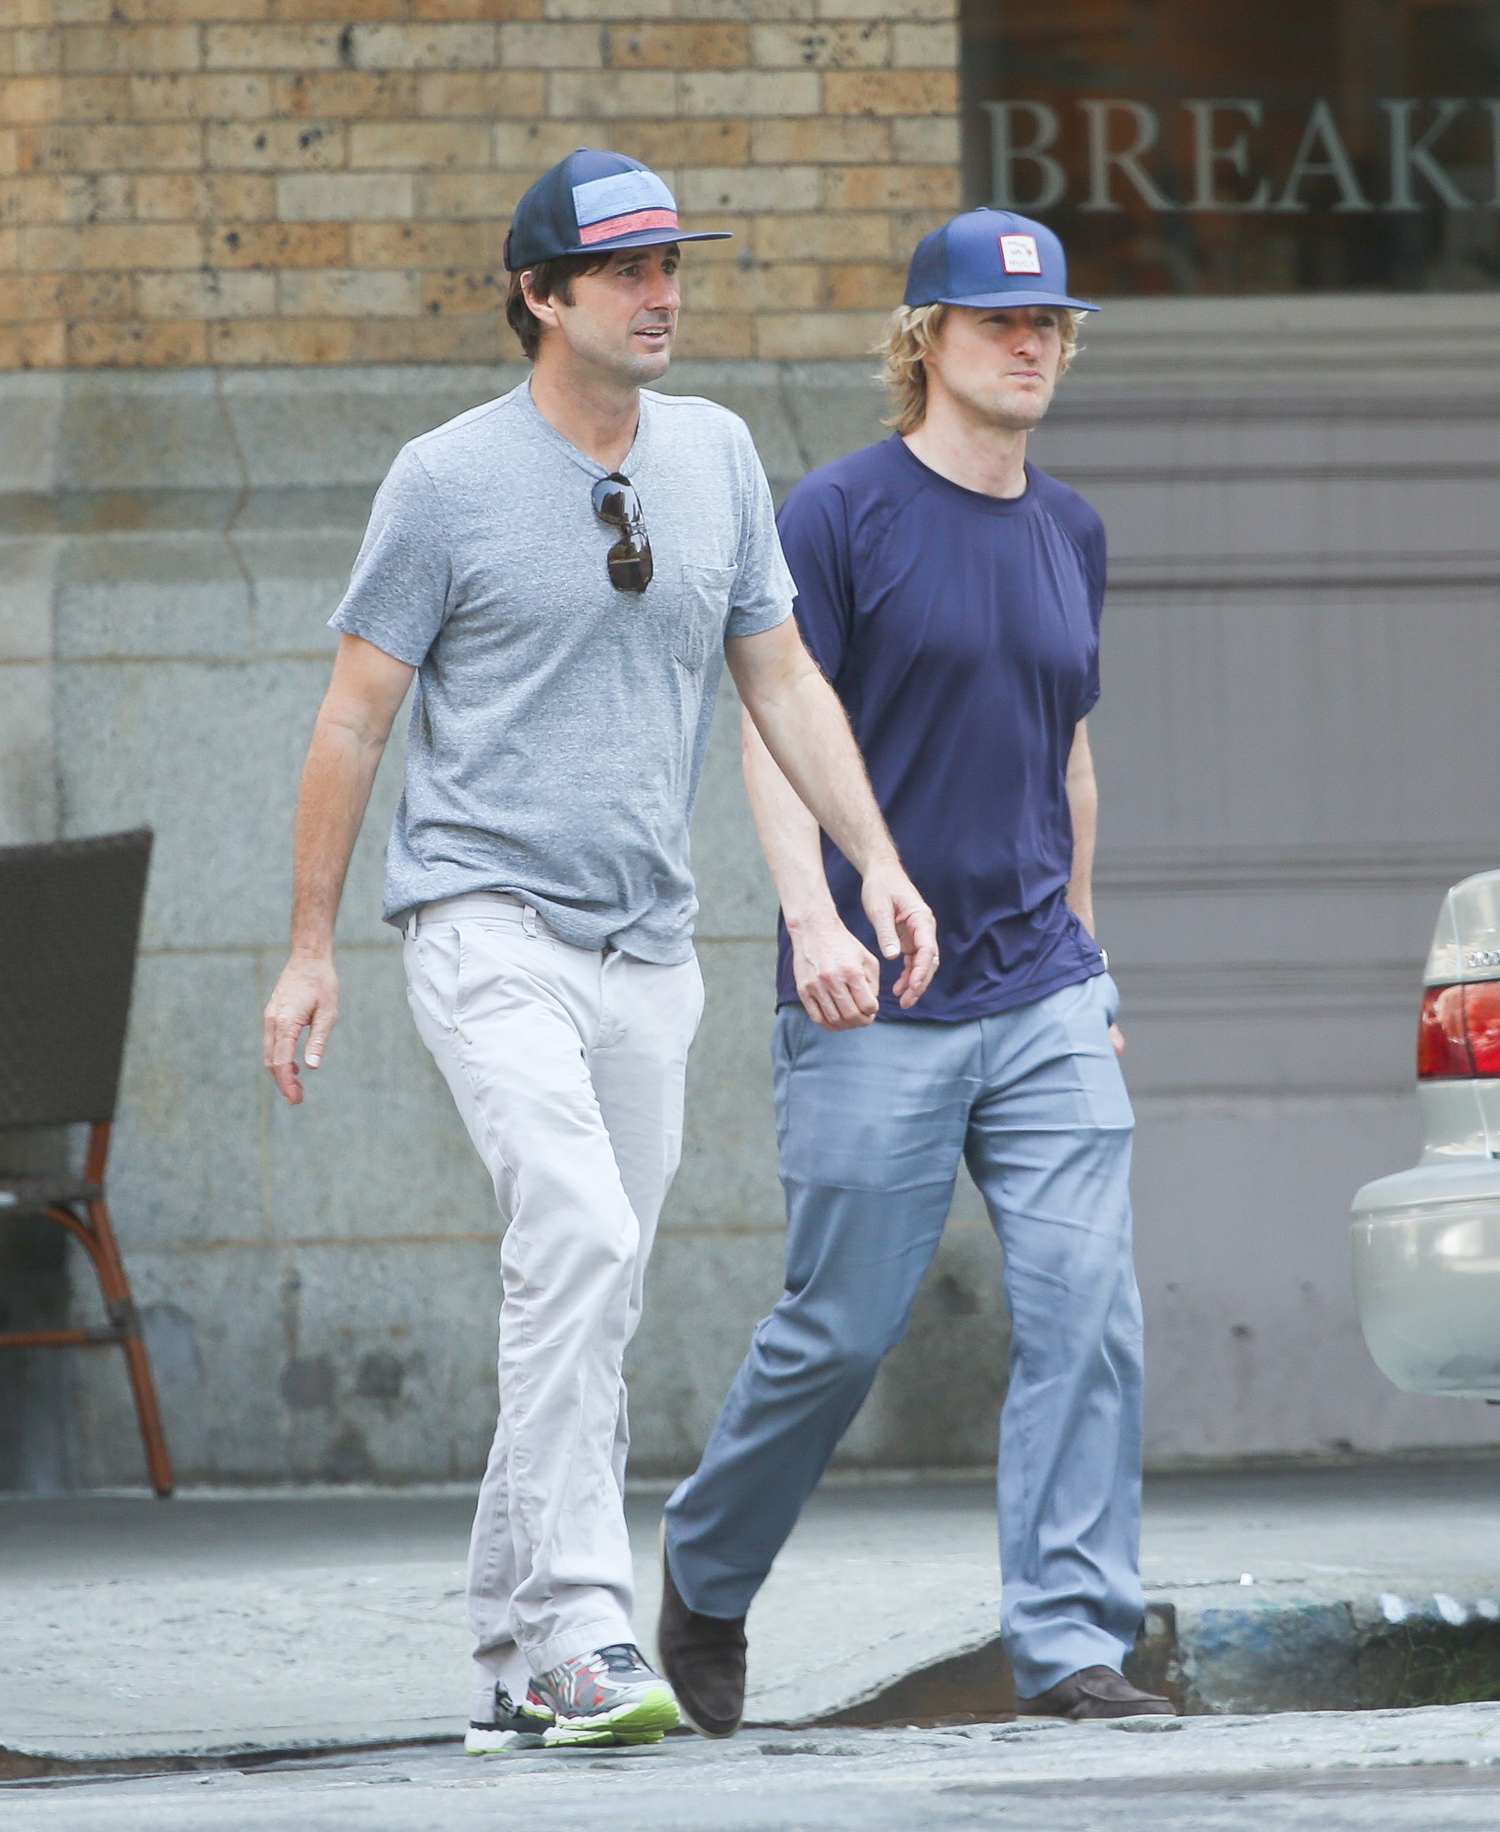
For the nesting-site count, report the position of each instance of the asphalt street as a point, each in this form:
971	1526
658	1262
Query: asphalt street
1424	1771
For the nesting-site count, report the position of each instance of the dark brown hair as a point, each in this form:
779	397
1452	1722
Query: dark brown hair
547	277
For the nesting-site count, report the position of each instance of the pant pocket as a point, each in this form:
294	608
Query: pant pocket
869	1109
496	953
432	961
702	1000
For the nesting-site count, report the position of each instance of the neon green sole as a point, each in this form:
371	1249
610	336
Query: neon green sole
646	1720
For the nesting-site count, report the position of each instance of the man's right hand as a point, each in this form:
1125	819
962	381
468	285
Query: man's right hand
838	979
306	999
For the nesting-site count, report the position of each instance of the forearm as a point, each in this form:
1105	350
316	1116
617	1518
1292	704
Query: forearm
336	780
807	736
789	835
1083	806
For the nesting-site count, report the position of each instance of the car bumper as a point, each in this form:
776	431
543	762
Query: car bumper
1426	1252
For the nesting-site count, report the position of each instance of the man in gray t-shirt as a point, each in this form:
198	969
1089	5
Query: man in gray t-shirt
559	724
565	571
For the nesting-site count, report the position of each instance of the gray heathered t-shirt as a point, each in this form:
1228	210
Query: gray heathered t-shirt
558	726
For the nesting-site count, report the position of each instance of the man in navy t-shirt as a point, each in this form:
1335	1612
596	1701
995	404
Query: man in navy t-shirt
951	592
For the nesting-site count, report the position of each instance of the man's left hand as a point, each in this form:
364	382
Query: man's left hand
903	925
1117	1038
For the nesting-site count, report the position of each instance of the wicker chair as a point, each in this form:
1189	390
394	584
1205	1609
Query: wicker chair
70	917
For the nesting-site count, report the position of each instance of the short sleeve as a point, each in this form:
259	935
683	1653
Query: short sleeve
398	592
814	530
1096	565
762	596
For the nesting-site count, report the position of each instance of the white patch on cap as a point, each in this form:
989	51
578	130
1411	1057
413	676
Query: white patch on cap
1018	254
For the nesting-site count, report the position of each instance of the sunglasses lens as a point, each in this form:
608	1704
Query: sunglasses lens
616	502
630	568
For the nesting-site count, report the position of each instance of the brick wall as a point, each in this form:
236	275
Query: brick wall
327	181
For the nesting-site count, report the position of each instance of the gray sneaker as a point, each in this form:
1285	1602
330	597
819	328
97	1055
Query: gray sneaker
609	1696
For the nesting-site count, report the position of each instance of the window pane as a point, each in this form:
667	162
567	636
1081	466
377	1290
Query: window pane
1250	146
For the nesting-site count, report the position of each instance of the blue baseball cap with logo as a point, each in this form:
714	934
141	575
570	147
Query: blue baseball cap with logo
990	258
593	202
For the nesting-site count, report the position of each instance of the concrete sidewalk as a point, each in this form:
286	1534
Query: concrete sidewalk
226	1625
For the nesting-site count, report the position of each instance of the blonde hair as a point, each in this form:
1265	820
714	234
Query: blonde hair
910	334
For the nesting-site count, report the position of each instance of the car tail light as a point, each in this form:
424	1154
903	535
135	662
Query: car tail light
1482	1021
1458	1034
1442	1049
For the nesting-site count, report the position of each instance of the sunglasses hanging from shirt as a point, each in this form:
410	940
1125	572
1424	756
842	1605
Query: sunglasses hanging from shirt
616	502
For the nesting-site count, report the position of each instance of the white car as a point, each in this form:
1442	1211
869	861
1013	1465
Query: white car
1426	1241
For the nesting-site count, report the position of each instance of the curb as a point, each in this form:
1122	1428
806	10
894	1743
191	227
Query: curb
1299	1654
1215	1656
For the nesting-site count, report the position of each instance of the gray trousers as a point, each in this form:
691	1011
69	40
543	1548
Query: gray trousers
872	1125
567	1066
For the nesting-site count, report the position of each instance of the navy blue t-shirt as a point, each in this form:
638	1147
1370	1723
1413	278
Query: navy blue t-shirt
961	632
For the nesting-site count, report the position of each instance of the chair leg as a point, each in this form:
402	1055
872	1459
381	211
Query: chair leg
153	1437
110	1267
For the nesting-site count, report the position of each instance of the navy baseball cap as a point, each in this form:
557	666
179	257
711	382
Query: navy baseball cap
991	257
592	202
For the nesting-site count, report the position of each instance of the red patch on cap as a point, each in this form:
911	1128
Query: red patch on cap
630	225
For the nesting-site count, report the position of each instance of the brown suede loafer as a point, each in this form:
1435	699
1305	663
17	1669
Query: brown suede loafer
703	1659
1096	1692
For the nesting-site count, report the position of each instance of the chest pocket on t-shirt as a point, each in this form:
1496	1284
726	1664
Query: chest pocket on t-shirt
704	613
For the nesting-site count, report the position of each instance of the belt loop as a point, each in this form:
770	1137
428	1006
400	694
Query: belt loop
528	919
409	927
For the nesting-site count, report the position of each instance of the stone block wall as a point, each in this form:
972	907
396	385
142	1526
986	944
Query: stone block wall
319	1287
188	182
1299	656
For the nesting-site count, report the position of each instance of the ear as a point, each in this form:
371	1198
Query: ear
543	310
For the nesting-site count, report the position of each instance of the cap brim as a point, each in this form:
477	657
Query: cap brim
656	238
987	300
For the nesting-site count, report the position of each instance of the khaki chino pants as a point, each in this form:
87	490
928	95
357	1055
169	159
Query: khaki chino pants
567	1067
